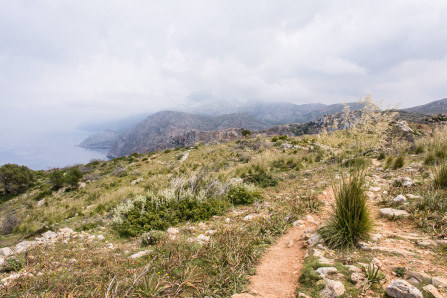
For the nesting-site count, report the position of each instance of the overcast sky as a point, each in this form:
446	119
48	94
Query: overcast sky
64	62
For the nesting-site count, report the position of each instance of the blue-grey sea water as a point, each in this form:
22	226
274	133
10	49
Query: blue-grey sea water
45	150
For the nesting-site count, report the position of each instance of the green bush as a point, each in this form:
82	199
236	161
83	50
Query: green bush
153	237
419	149
350	220
260	177
246	133
15	179
155	215
398	162
240	195
72	177
440	179
381	156
274	139
11	263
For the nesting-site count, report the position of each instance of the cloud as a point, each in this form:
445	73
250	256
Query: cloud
103	59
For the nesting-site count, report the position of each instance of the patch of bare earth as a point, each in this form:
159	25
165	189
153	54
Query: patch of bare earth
279	269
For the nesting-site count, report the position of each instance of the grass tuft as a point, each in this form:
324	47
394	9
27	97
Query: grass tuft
440	180
350	221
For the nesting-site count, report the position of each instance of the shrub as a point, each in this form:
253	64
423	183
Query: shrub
440	179
246	133
73	176
274	139
398	163
260	177
350	220
381	156
11	263
430	159
15	179
240	195
153	237
153	214
419	149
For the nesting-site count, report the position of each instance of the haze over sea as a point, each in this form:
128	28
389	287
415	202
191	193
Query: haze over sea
40	150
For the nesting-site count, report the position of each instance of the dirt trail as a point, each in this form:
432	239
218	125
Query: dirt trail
279	269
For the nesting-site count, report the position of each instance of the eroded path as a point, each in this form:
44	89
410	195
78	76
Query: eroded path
279	269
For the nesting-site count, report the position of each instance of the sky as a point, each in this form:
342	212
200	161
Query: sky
66	62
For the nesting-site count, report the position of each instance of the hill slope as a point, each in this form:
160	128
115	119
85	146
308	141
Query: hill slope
432	108
169	129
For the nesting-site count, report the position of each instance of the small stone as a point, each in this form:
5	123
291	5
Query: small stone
399	199
323	260
172	231
322	271
5	251
210	232
298	222
303	295
353	268
376	237
376	262
140	254
310	219
426	243
227	220
332	289
249	217
400	288
100	237
432	290
393	213
201	239
439	281
413	281
375	188
411	196
41	202
358	277
290	243
314	239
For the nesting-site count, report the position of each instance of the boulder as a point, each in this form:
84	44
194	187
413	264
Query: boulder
332	289
420	276
393	213
400	288
172	231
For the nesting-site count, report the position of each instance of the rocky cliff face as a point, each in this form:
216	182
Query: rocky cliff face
166	130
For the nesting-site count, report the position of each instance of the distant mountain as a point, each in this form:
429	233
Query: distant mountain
432	108
271	112
176	129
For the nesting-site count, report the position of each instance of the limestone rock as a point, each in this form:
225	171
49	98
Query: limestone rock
433	291
24	245
201	239
420	276
439	281
140	254
358	277
100	237
172	231
41	202
5	251
332	289
322	271
400	288
393	213
210	232
49	235
314	239
399	199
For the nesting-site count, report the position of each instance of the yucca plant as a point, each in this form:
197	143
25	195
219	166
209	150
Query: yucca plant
350	220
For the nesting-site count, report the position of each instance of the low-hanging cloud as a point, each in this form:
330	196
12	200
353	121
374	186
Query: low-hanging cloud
70	61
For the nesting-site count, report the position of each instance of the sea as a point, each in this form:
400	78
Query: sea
43	150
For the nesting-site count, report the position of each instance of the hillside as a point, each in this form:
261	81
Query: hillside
242	218
432	108
165	130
